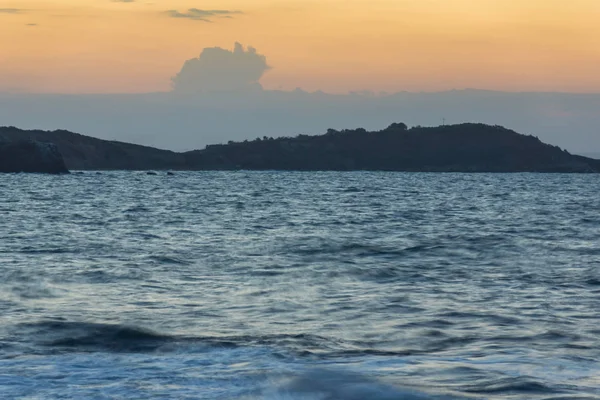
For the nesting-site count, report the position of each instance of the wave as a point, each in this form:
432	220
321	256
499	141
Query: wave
49	250
593	282
513	385
106	337
96	336
321	384
166	259
364	250
34	290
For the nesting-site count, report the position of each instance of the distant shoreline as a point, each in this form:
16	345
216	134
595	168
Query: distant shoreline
465	148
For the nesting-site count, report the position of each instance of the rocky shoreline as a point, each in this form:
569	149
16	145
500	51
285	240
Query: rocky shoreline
32	157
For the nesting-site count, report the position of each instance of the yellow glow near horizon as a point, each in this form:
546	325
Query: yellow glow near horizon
81	46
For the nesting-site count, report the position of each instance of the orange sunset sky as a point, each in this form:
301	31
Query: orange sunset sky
103	46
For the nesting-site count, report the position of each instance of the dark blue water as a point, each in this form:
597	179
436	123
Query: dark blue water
271	285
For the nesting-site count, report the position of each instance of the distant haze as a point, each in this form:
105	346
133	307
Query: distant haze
218	96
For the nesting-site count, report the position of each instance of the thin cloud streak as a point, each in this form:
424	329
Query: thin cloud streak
10	11
202	15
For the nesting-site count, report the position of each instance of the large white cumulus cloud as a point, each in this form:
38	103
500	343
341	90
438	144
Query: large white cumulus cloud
221	70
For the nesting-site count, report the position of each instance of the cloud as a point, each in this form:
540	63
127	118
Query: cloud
10	10
123	1
31	24
202	15
221	70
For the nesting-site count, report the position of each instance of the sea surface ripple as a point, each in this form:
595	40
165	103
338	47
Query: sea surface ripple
284	285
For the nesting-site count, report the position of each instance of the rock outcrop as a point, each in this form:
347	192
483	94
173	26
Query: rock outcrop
88	153
31	156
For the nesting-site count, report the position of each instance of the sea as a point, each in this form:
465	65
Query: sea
299	285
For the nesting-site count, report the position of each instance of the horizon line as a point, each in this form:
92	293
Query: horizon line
364	93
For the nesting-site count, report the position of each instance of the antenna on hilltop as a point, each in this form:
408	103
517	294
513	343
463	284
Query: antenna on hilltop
443	121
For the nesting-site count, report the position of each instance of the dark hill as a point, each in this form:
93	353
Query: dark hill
87	153
452	148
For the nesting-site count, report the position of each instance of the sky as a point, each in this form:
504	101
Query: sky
337	46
